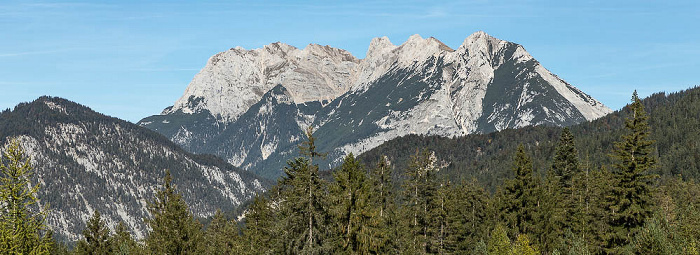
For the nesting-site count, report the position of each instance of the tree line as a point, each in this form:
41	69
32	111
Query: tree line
619	208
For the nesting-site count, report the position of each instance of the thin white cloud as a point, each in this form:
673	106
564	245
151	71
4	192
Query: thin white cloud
38	52
166	69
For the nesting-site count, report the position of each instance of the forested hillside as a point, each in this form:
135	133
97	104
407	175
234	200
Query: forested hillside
674	120
555	192
85	161
616	205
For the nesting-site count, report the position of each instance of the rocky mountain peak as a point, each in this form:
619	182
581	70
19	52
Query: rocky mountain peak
417	50
480	44
419	87
333	54
379	46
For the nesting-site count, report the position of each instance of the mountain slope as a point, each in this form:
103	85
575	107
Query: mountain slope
420	87
86	161
674	121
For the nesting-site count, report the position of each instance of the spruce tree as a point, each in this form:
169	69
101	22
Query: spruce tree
123	242
467	211
383	222
382	194
420	194
221	236
303	202
22	227
350	206
499	243
560	208
566	162
261	233
173	228
96	238
519	198
631	191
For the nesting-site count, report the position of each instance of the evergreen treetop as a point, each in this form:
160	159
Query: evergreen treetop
631	195
173	228
22	226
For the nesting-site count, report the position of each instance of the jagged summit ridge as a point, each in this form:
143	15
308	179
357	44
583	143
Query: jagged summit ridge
234	80
419	87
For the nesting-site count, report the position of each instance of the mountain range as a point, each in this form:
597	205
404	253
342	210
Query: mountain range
251	107
242	117
85	161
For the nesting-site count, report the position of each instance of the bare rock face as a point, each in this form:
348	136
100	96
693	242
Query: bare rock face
234	80
419	87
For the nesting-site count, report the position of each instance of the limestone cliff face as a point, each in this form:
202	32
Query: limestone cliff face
419	87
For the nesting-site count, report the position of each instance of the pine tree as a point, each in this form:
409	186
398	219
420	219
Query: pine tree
499	243
21	227
519	198
261	233
631	191
561	206
173	228
221	236
350	206
123	242
420	193
303	202
467	211
96	238
383	223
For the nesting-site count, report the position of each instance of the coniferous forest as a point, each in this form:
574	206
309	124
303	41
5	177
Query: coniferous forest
547	201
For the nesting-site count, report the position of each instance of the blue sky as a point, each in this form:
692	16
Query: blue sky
130	60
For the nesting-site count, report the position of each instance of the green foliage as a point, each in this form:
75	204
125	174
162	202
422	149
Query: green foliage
96	239
499	243
518	201
221	236
303	203
261	233
173	228
350	207
123	243
563	195
383	222
522	246
566	163
654	238
467	211
576	244
394	207
421	204
22	227
631	200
